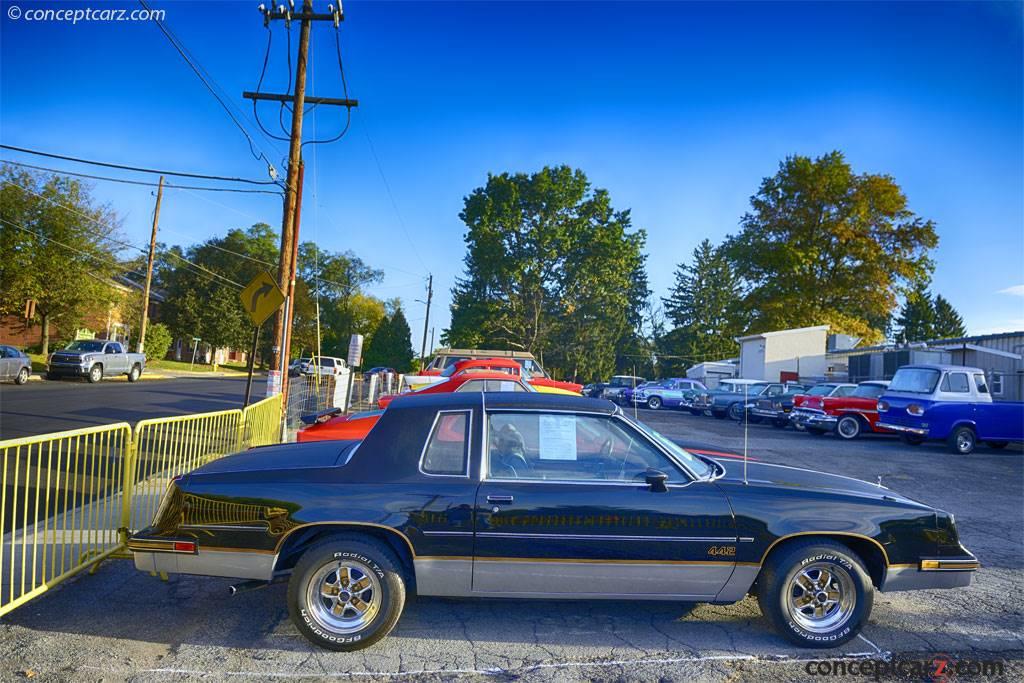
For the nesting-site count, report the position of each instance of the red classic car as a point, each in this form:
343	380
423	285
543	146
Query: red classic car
847	416
445	359
471	375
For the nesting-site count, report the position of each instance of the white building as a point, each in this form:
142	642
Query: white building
711	373
785	354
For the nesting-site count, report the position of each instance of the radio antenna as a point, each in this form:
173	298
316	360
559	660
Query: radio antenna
746	426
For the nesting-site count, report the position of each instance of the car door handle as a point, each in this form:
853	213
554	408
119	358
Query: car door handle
499	499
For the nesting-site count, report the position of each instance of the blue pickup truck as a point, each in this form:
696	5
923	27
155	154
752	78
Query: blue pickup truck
950	403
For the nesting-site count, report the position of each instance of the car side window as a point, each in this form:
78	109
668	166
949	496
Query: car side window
566	447
112	348
446	452
504	385
979	379
774	390
955	382
327	362
472	385
4	353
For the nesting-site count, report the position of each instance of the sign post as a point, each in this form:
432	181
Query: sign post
260	299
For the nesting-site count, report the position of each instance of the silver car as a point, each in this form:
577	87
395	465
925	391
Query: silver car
14	365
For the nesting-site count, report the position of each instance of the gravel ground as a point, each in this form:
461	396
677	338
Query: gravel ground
123	625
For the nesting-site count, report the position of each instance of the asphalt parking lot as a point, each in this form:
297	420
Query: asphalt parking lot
123	625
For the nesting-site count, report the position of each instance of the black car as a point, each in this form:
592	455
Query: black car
543	496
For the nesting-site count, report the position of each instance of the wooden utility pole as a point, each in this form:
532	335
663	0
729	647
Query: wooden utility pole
149	267
426	320
289	221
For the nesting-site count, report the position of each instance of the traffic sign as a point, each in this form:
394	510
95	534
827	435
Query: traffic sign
261	298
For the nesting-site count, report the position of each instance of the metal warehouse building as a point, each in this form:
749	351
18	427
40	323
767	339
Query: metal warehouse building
1001	356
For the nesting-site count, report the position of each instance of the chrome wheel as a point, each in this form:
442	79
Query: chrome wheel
95	373
821	597
343	597
654	403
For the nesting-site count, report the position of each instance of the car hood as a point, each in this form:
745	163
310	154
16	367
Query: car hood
799	479
281	457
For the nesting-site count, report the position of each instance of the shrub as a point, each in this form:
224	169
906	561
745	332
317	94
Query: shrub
158	340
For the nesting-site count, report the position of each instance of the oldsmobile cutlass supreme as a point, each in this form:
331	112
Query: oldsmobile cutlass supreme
518	495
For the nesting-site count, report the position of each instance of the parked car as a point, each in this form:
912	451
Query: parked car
825	389
445	358
95	359
15	365
454	495
777	409
702	402
613	389
733	403
324	365
848	416
668	393
951	403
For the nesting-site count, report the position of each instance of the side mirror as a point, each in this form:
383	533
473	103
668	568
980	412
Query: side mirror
656	480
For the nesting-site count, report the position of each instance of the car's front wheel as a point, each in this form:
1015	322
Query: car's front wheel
95	374
346	593
22	377
848	427
816	593
736	412
654	403
963	440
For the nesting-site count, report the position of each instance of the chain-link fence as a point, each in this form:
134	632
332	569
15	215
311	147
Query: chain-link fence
351	393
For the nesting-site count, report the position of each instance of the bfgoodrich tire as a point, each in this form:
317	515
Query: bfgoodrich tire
346	593
815	593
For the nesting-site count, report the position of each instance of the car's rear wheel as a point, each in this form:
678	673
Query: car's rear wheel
963	440
22	377
95	374
848	427
135	373
346	593
815	593
654	402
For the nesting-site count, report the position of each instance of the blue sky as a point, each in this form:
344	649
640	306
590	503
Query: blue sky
677	109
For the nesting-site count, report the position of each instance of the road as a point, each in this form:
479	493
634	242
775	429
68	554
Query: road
124	625
41	407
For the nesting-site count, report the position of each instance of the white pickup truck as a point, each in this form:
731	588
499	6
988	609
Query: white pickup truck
95	359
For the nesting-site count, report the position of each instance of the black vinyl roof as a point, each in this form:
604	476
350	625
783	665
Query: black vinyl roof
506	400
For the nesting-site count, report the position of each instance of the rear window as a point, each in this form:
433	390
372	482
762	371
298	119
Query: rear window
915	380
446	452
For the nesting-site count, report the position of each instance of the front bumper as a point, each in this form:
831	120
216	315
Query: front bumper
770	414
809	418
931	573
68	369
902	429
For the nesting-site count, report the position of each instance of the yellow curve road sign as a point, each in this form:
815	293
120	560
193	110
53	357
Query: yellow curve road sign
261	298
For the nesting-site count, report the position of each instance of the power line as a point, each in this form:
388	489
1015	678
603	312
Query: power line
180	174
136	182
210	85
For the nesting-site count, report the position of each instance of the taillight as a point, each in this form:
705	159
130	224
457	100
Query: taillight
883	406
184	547
915	410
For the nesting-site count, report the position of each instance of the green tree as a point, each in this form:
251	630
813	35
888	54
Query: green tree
391	344
948	322
705	309
822	244
57	246
551	268
158	341
916	320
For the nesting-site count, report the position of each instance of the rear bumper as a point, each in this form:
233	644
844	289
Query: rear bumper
902	429
153	555
931	573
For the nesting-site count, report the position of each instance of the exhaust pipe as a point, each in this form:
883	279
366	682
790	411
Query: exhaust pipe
237	588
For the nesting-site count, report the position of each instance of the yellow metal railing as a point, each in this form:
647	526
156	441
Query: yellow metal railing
67	498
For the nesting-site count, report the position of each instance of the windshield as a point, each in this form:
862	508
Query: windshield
868	391
821	390
86	345
915	380
695	464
